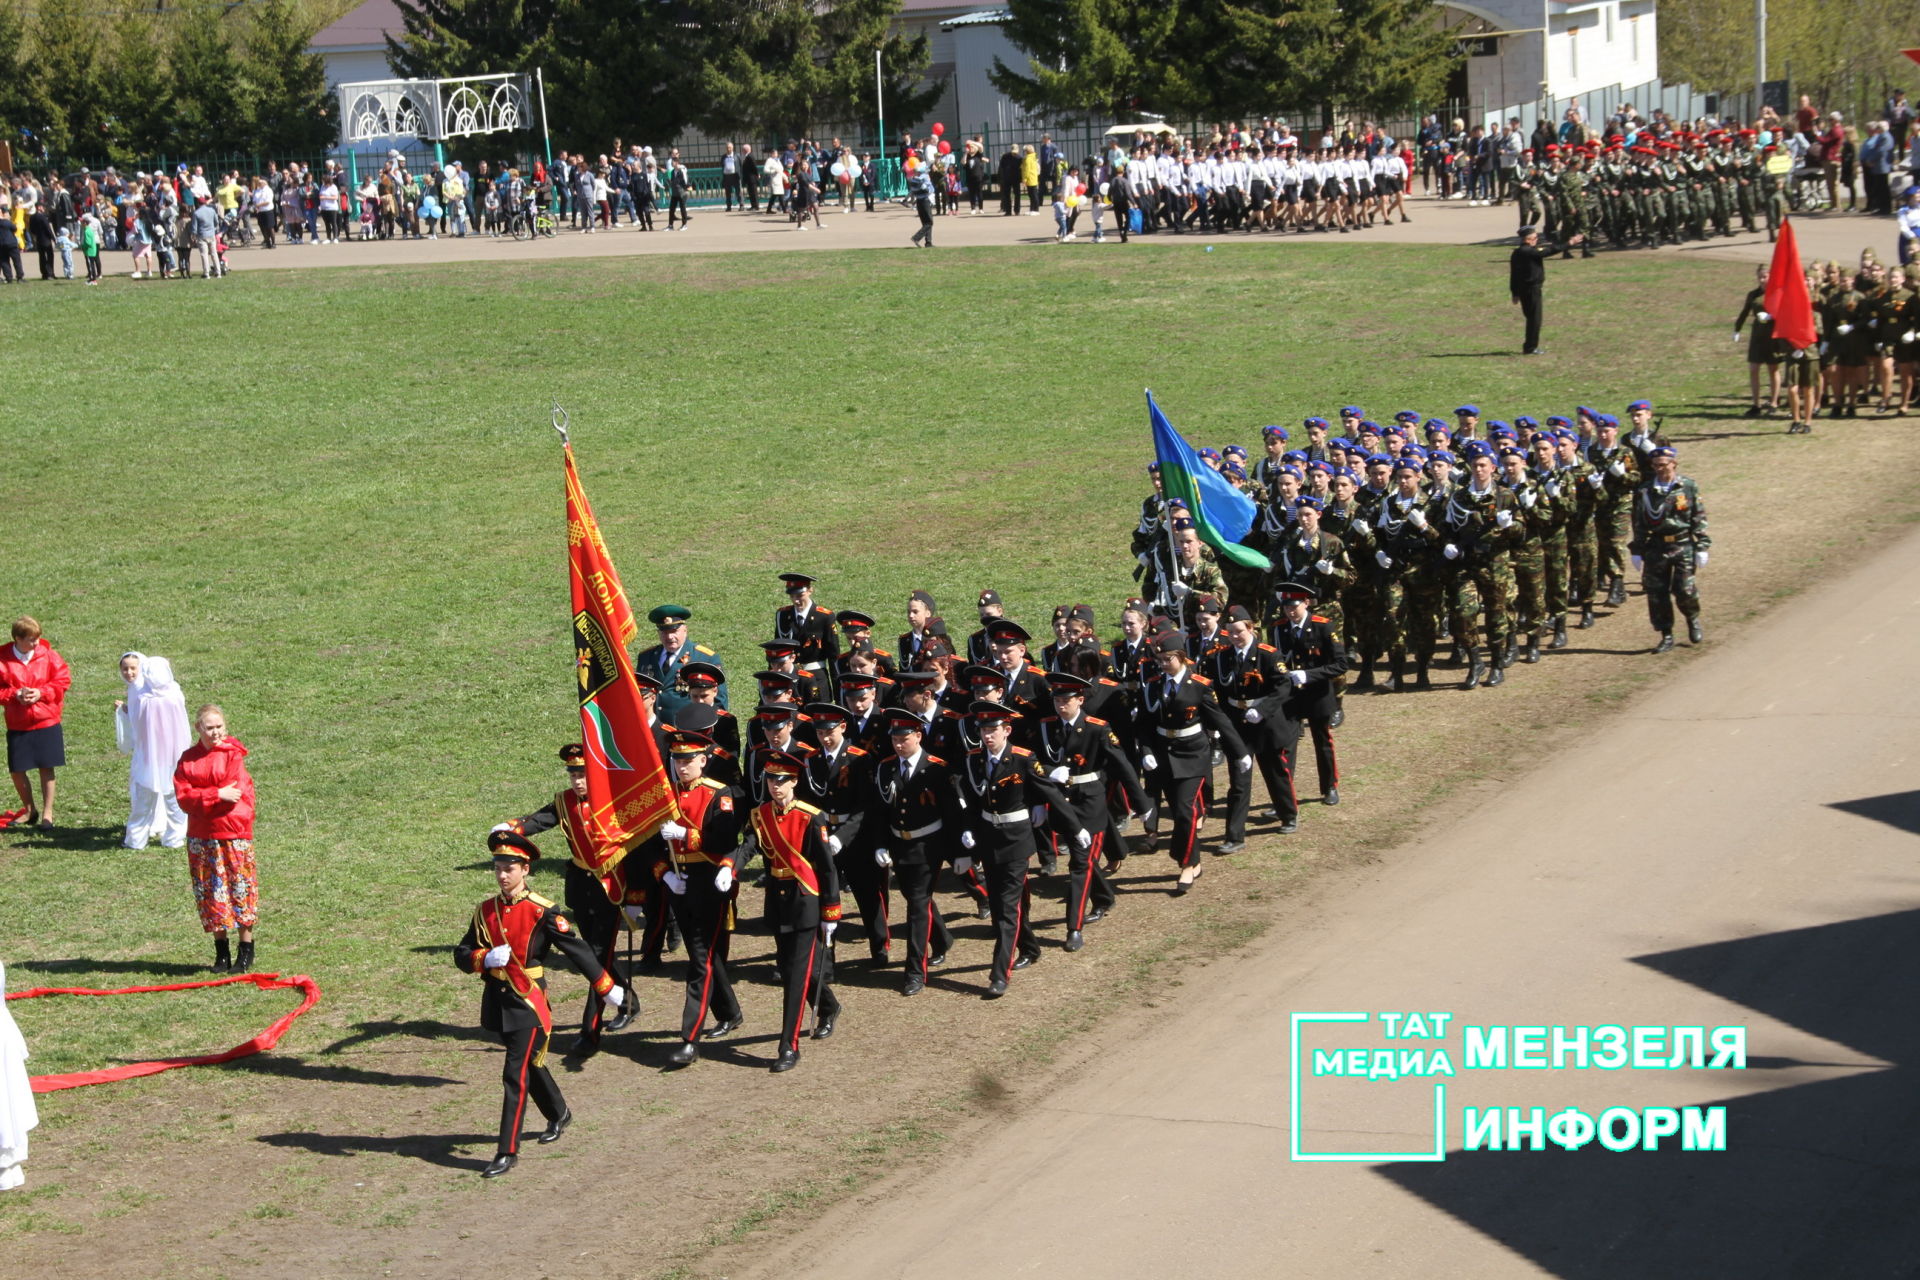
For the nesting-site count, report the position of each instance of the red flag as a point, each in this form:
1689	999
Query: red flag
1913	54
628	794
1787	293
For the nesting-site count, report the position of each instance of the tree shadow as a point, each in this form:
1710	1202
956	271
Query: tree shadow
1817	1179
440	1149
87	964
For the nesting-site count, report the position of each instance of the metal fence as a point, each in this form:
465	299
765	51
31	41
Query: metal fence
1678	101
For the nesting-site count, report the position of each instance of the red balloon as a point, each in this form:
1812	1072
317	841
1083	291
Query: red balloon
1080	190
946	147
939	129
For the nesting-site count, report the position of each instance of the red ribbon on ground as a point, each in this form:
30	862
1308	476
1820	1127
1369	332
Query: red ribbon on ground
128	1070
10	816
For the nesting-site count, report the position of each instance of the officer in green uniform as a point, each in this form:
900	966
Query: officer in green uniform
666	661
1670	544
1571	190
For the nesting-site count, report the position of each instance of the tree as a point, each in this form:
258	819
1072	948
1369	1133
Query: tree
1101	57
68	49
205	85
289	107
446	38
789	68
1388	56
137	92
19	96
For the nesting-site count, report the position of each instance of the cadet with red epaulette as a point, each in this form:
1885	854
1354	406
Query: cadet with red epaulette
838	780
1314	660
856	628
703	682
867	722
595	888
804	901
694	859
1176	714
507	941
783	658
1007	795
811	628
915	813
1026	683
1082	755
1250	680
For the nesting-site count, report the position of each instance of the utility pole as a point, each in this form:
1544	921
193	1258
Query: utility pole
1759	57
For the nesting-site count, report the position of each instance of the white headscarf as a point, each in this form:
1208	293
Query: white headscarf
157	722
17	1111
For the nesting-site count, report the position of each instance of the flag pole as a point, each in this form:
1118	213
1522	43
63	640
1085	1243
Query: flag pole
561	422
1165	594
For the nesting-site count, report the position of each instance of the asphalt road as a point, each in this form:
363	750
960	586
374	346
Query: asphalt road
1737	848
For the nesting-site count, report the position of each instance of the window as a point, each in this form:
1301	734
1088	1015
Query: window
1611	14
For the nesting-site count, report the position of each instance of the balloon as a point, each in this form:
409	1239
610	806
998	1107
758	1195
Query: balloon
946	148
1073	202
912	164
1104	187
939	129
1081	189
839	170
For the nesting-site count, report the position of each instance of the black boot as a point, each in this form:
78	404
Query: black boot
1533	648
1475	669
1617	593
1560	631
1586	616
243	962
1498	675
1666	642
1695	634
1505	657
1365	680
1396	677
1421	680
222	956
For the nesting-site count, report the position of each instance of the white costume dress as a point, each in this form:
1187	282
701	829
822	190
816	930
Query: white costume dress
17	1112
152	728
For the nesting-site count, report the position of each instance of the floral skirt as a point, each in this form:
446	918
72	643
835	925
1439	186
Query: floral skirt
226	887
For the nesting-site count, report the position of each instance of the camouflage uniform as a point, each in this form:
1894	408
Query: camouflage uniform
1406	594
1669	530
1535	518
1482	581
1576	580
1203	578
1295	559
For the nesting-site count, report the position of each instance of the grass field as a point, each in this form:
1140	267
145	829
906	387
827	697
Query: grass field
333	499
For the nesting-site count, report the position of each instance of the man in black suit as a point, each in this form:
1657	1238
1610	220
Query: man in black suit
1527	277
1010	182
1314	660
1177	711
915	817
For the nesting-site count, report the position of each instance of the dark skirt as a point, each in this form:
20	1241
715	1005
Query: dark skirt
30	749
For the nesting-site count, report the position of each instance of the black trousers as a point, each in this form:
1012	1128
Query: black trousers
526	1075
1324	761
599	922
752	196
924	207
1276	770
868	884
703	925
1087	883
1183	804
730	186
1010	898
1122	210
808	975
677	207
925	928
1530	308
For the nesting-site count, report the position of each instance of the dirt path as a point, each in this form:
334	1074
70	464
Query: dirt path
1839	236
1748	859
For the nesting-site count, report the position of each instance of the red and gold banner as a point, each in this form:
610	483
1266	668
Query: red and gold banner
628	795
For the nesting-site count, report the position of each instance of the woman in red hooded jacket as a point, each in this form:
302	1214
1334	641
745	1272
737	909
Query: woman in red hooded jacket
213	786
33	688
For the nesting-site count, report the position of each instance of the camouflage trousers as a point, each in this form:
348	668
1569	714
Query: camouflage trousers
1580	574
1528	602
1485	588
1423	600
1376	601
1668	579
1613	527
1555	547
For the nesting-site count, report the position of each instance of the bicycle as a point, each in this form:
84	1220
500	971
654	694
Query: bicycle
528	223
235	226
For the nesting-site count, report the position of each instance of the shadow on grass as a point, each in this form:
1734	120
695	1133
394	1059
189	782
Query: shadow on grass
440	1149
87	964
418	1029
267	1064
80	840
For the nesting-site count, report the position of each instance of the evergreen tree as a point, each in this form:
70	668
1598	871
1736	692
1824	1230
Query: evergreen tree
1100	57
68	46
290	111
1388	56
204	86
137	92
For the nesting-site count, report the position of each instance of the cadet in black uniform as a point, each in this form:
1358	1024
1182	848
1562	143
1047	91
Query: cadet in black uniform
1314	660
915	814
811	627
838	780
1004	789
1176	712
1250	680
1082	756
507	940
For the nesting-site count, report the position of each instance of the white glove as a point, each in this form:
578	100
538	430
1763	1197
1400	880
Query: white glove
636	915
1083	839
1144	558
1450	551
1699	559
673	831
1179	588
1528	498
1323	566
1844	329
1553	488
1242	765
1874	323
501	826
1619	467
962	865
1637	563
723	879
1059	774
1038	813
1298	677
1148	763
1418	517
675	882
1823	349
833	844
1253	715
1382	559
881	858
1504	519
966	840
615	998
1910	335
1762	316
827	927
1736	335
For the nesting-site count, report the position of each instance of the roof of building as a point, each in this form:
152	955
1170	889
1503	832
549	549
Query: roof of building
366	27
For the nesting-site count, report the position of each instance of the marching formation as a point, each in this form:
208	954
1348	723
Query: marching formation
866	771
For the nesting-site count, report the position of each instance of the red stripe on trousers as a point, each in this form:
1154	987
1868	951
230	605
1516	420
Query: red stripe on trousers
1093	860
812	944
520	1106
706	985
1193	829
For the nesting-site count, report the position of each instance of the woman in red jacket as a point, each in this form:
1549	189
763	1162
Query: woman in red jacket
33	688
213	786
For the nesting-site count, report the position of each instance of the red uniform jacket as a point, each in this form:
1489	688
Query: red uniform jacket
197	780
45	671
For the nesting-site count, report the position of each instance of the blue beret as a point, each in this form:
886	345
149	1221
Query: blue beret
1473	409
1474	449
1413	451
1308	500
1525	421
1370	426
1406	464
1183	522
1443	455
1268	433
1379	460
1497	424
1153	466
1314	422
1318	465
1510	451
1582	411
1434	424
1210	453
1555	420
1235	470
1566	434
1664	451
1341	441
1235	449
1350	411
1608	420
1348	473
1407	416
1641	404
1294	455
